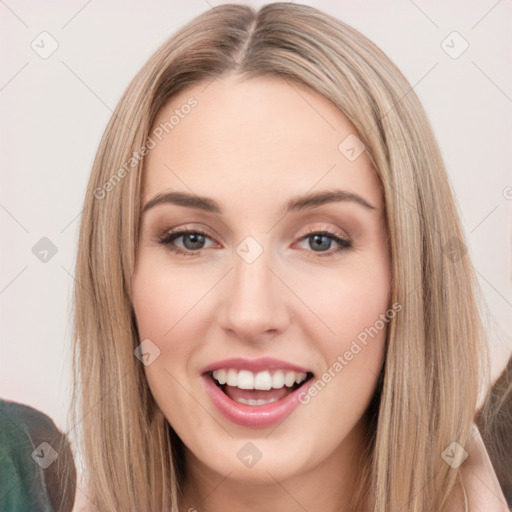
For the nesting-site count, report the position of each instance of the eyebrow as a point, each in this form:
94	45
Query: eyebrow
311	200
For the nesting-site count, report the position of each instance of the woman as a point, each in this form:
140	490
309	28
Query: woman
315	348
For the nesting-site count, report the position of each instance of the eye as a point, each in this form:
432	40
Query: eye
321	241
193	241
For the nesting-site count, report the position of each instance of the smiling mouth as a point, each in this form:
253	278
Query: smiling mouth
261	388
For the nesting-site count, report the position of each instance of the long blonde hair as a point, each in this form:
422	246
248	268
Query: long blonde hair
428	392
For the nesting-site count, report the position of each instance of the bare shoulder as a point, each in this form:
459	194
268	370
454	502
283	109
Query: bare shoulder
483	491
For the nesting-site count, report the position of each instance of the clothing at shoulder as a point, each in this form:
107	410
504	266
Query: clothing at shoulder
37	471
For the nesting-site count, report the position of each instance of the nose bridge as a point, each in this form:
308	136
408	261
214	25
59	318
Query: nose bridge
254	301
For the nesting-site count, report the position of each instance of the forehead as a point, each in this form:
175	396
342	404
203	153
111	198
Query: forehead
242	139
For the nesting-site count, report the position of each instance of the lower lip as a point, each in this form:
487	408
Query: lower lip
266	415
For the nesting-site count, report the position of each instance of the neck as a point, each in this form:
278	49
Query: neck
328	486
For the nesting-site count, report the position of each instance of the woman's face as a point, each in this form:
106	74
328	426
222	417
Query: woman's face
275	282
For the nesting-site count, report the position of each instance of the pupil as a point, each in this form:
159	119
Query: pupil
318	241
196	241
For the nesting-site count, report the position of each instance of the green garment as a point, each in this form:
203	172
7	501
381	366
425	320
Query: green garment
29	449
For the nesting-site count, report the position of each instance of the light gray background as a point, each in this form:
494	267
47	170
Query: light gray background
54	111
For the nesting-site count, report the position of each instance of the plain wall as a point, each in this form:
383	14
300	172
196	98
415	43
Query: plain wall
54	110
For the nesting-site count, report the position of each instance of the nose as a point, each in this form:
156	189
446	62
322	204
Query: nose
255	301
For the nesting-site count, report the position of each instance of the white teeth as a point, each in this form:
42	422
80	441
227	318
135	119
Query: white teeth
221	376
289	380
301	378
278	380
262	381
255	402
232	378
245	379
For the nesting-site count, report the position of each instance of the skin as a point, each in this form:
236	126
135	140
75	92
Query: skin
243	141
480	481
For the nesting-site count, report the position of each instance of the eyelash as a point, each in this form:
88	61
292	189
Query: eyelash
167	238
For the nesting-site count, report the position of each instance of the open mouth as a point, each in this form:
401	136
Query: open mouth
261	388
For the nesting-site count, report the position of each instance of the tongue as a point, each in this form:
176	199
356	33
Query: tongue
256	394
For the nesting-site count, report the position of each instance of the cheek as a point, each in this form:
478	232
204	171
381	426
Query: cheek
161	311
161	301
347	302
351	338
352	359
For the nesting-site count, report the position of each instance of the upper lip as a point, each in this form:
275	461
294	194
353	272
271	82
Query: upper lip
254	365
